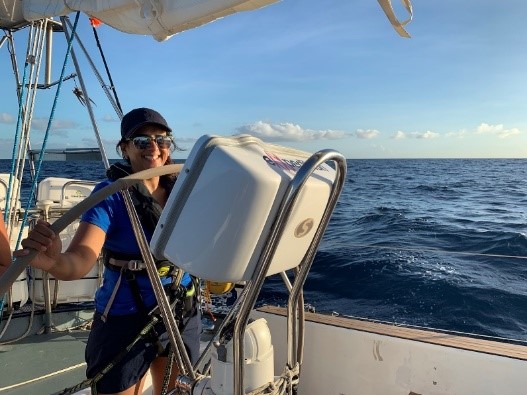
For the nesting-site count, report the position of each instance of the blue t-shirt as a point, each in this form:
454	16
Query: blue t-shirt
111	216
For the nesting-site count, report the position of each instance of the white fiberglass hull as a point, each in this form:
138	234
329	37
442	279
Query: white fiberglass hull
347	356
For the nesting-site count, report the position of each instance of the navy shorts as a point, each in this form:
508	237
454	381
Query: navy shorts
108	339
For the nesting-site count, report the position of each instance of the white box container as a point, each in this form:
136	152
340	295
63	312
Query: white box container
19	291
4	186
82	290
63	192
220	212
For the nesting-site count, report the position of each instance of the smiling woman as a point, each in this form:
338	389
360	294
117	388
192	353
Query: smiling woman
126	295
139	129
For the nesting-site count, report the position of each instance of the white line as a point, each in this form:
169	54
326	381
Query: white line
43	377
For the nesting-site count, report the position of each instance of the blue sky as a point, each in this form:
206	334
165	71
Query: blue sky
311	75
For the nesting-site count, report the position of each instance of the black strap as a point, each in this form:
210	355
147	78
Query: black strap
148	209
120	256
136	293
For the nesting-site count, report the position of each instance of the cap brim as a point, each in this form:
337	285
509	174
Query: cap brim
132	131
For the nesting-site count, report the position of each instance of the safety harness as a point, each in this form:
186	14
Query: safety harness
184	299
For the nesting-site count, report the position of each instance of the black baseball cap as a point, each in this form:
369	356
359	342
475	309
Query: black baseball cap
139	117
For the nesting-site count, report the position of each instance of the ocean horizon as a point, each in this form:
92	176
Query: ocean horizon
429	242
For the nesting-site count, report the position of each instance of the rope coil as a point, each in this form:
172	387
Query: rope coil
284	384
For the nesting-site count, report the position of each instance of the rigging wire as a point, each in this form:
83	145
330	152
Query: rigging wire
104	87
36	62
48	128
112	85
27	97
84	92
21	97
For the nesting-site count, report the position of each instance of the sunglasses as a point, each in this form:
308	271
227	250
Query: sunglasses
143	142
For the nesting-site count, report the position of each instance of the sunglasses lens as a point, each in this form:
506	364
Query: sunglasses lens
163	141
143	142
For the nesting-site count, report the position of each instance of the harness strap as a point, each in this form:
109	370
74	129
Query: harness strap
129	271
116	261
184	299
136	293
133	264
104	316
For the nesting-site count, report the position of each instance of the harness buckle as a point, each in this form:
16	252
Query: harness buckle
135	265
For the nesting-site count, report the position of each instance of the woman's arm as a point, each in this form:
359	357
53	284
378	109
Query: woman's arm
76	261
5	247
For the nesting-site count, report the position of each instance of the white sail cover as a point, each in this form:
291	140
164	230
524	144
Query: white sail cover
158	18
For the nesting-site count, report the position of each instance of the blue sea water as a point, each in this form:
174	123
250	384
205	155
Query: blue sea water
420	241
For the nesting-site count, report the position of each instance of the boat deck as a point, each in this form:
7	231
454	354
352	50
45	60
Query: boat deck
43	364
49	363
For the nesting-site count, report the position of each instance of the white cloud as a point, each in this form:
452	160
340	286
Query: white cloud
367	134
428	135
6	118
60	133
399	135
486	128
498	130
110	118
58	124
288	132
458	134
503	134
